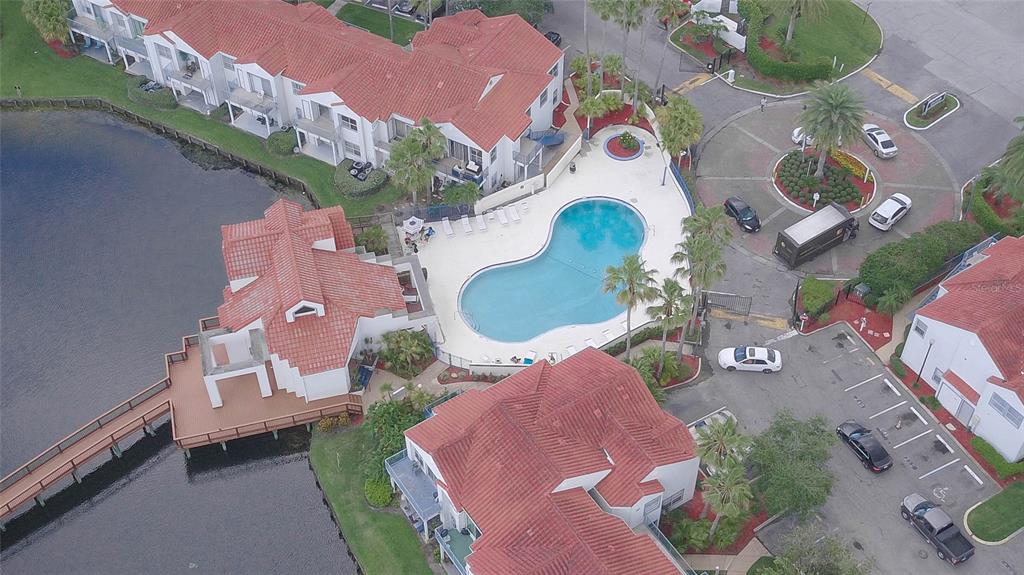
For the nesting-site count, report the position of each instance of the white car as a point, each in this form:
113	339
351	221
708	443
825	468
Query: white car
891	211
879	141
798	137
750	359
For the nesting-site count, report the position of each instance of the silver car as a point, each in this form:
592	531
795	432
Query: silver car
891	211
879	141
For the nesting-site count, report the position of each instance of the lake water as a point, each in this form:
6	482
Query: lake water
109	254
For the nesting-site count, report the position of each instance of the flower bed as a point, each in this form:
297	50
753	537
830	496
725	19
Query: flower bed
460	375
914	119
691	369
60	49
877	327
624	147
683	38
839	183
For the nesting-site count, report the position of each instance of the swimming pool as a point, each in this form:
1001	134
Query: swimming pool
562	284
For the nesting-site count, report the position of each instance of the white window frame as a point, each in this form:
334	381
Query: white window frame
296	87
348	123
352	149
476	156
494	154
920	328
543	97
164	52
1003	408
554	70
937	376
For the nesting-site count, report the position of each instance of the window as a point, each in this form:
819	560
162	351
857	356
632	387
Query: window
1003	408
136	27
554	70
476	156
298	112
304	310
920	328
229	64
528	114
296	87
494	154
399	129
163	51
260	85
349	123
543	97
937	376
352	150
554	94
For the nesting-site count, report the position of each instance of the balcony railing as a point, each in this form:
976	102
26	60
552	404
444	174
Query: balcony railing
192	79
456	547
132	45
258	103
90	26
322	127
668	548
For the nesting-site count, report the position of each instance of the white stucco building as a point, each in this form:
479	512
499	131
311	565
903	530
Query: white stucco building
486	82
968	345
542	471
303	300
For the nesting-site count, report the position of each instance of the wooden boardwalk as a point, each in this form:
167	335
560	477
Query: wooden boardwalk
194	421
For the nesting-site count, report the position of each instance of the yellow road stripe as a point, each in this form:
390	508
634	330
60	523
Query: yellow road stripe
889	86
692	83
764	320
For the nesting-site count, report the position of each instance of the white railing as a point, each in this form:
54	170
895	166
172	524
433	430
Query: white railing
510	194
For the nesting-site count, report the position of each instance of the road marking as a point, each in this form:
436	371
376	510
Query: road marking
831	359
922	434
919	416
855	386
888	409
892	387
787	335
757	139
773	215
974	475
948	448
694	82
890	87
940	468
853	350
707	416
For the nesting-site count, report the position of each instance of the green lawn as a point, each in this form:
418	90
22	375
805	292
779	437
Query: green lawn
382	541
844	32
26	61
1000	516
324	3
761	564
377	22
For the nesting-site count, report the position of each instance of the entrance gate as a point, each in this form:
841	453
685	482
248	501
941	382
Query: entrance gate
728	301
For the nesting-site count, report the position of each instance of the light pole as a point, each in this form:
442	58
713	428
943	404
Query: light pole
931	342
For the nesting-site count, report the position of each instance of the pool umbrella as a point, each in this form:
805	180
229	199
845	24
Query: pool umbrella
412	225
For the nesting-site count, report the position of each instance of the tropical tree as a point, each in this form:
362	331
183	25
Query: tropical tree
834	114
632	283
720	442
728	492
464	193
606	10
813	10
613	65
629	17
50	17
711	223
586	41
791	456
1013	165
403	350
427	6
643	18
412	158
374	240
671	302
592	107
705	266
893	300
681	125
808	551
666	11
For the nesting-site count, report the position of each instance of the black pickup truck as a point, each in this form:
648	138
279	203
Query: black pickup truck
936	526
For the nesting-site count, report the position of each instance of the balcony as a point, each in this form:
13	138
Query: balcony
322	127
135	45
258	103
666	547
455	546
90	27
418	490
194	80
454	168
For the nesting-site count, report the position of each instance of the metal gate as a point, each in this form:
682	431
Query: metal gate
729	301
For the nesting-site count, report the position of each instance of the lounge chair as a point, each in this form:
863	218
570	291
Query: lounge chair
467	228
513	214
529	359
524	207
501	216
446	225
481	223
590	341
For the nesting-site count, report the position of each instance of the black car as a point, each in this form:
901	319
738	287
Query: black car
554	37
744	215
867	448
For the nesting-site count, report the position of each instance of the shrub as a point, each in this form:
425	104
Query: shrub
818	295
824	318
896	364
628	141
373	240
650	332
1003	468
378	492
281	143
729	529
931	402
913	261
346	185
404	350
162	99
328	424
687	535
871	300
899	348
49	17
464	193
611	102
988	219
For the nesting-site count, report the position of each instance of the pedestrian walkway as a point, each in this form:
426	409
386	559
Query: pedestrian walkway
899	323
739	563
336	7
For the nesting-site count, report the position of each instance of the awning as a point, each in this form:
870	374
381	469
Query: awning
412	225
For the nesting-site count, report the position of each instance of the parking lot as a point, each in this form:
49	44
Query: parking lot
833	374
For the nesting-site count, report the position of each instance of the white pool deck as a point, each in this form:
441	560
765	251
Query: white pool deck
452	261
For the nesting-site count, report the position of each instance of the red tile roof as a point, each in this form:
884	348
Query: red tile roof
278	251
987	299
503	451
962	386
444	78
1014	384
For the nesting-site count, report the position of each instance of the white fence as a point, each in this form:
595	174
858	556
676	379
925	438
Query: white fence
565	160
510	194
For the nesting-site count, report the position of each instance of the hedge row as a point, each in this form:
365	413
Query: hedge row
912	261
988	219
818	296
1003	468
756	14
346	185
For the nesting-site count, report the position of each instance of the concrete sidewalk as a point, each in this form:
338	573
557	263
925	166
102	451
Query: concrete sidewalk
899	323
738	564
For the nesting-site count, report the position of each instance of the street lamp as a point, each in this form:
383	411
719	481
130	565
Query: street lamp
931	342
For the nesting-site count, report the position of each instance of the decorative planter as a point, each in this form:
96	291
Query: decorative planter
614	149
906	115
867	189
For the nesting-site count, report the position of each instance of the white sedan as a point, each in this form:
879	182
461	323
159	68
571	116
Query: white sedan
798	137
750	359
891	211
879	141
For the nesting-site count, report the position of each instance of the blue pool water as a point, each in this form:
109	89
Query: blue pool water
562	284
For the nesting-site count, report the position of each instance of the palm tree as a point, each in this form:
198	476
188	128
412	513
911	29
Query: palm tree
814	10
834	114
666	11
413	162
681	125
50	17
1013	166
728	491
706	266
720	441
613	65
391	23
586	40
592	107
632	284
893	300
671	301
711	223
644	15
606	10
628	18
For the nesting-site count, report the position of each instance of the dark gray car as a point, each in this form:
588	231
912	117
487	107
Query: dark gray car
870	452
938	528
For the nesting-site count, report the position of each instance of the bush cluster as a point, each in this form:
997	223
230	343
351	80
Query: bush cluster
756	14
896	364
988	219
818	296
931	402
913	261
628	141
378	492
1003	468
162	99
834	188
281	143
640	336
328	424
348	186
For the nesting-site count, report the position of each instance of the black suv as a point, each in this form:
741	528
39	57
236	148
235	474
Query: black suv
744	215
867	448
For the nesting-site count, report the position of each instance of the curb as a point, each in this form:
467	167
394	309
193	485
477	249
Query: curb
874	180
967	528
937	120
696	374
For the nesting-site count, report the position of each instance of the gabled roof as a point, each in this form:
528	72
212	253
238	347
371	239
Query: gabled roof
987	299
278	250
503	451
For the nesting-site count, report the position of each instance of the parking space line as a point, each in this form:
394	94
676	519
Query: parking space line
888	409
855	386
939	437
707	416
892	387
919	416
922	434
974	475
830	360
853	350
940	468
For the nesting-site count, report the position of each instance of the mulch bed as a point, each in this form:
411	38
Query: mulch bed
771	48
962	435
1004	208
60	49
614	119
616	148
460	375
558	119
707	47
878	330
693	509
866	189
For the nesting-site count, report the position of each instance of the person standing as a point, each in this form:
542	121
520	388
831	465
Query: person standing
764	102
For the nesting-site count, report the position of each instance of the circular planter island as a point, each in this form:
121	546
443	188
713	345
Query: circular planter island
624	146
843	181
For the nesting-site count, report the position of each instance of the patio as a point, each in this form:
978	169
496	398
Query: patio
418	492
250	123
140	68
195	101
456	547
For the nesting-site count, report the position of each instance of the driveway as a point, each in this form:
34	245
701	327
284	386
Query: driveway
833	374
